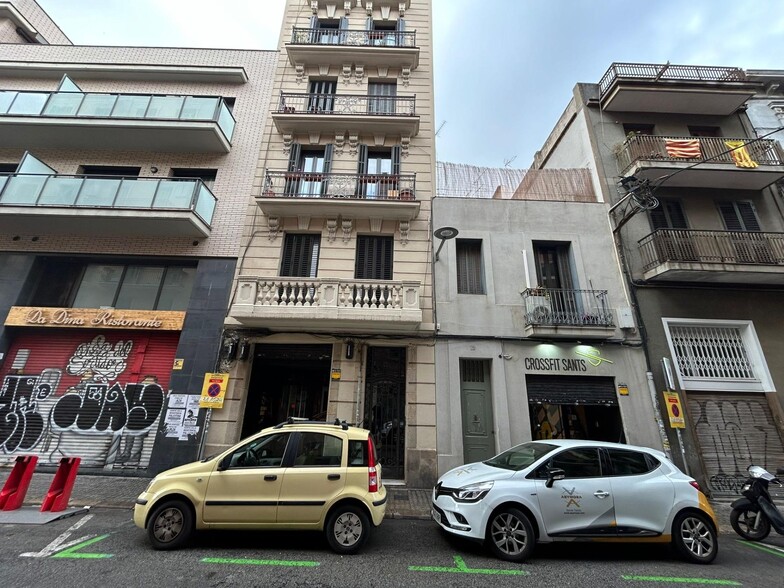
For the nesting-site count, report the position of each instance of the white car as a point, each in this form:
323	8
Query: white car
545	491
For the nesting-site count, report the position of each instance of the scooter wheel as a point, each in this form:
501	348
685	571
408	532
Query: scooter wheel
744	521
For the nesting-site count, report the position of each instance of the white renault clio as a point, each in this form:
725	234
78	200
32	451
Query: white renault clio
545	491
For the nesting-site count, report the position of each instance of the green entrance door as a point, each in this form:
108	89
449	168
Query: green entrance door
477	409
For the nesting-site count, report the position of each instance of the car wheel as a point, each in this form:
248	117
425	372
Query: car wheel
170	525
347	529
695	538
744	521
510	535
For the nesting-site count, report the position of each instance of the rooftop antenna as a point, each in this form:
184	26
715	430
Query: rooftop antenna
507	162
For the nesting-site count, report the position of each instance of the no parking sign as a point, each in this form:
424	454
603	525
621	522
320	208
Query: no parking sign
214	390
675	410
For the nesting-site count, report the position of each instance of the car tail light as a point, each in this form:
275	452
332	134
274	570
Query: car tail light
372	474
695	485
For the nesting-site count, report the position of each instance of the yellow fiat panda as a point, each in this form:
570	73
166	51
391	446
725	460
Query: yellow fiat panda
296	475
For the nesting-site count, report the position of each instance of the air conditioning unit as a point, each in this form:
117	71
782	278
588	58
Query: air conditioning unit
538	308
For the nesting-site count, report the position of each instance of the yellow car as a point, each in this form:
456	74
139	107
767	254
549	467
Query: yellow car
296	475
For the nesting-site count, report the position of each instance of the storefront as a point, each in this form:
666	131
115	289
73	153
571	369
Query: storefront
88	383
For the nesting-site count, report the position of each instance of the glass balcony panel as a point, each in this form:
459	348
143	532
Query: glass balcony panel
199	108
97	105
136	193
205	204
98	192
28	103
5	101
63	104
226	121
23	189
165	107
131	107
175	194
60	191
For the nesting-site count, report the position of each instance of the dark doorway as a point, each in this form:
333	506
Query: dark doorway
385	407
287	381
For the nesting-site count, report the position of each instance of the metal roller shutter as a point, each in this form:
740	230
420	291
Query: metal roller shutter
571	390
84	393
734	431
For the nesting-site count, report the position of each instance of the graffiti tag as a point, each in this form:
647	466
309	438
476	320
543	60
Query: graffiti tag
101	358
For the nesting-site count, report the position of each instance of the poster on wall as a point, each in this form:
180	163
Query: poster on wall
214	390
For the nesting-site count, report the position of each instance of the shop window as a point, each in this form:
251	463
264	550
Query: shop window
469	267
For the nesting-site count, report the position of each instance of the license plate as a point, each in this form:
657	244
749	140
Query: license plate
436	515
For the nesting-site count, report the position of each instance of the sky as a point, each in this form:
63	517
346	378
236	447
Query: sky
504	69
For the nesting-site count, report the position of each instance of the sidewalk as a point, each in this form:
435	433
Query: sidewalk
120	492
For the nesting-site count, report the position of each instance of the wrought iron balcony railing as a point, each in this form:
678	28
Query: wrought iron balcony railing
346	104
179	194
119	106
713	149
562	307
650	72
281	184
727	247
353	38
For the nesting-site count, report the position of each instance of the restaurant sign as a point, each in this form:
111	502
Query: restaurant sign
95	318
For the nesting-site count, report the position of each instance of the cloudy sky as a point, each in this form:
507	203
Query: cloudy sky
504	69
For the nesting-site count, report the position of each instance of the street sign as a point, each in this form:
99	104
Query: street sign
674	410
214	390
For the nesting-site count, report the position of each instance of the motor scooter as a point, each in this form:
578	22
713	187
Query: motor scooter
753	515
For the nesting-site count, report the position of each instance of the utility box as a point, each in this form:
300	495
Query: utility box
625	318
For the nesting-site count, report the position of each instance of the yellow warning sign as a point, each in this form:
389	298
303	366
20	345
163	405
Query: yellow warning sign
674	410
214	390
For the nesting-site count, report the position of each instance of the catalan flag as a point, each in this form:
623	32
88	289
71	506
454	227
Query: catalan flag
740	155
683	148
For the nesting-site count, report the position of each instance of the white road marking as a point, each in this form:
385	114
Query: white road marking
59	543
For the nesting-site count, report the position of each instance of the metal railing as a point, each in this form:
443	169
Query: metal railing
713	149
556	306
281	184
347	104
685	245
118	106
353	38
367	295
108	192
651	72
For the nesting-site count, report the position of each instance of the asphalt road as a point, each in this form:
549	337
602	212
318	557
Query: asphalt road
103	548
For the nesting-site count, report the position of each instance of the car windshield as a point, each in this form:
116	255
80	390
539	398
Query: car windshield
521	456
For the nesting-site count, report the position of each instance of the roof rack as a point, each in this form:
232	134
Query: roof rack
302	421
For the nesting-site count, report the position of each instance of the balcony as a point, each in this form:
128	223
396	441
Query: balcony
330	113
116	122
721	257
754	166
567	314
327	304
334	47
685	89
384	196
91	205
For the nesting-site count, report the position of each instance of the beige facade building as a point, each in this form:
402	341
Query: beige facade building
331	312
125	175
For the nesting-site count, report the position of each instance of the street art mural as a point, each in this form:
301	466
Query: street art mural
97	403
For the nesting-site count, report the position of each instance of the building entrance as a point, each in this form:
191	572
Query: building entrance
287	381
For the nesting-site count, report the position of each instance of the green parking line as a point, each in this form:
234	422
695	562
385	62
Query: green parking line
462	568
70	553
760	547
682	580
262	562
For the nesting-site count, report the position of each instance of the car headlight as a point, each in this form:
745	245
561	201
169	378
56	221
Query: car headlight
473	493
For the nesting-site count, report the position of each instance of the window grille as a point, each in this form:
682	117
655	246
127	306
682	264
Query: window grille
715	352
472	370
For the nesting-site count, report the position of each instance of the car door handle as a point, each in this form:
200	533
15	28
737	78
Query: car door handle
333	477
601	494
270	478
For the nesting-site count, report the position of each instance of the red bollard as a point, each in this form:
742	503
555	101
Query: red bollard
15	487
62	485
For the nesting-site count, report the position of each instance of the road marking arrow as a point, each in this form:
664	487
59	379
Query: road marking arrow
59	543
462	568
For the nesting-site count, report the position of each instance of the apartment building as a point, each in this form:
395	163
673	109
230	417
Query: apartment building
331	310
125	174
699	229
536	338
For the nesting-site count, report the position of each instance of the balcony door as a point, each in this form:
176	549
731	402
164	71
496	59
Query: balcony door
299	260
675	243
741	219
381	98
553	272
321	98
373	264
379	170
327	31
308	169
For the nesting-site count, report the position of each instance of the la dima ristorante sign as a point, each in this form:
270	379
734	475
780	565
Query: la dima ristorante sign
95	318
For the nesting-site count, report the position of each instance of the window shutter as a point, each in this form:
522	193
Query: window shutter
401	25
668	215
362	160
343	23
396	152
739	216
300	256
314	25
294	156
374	258
659	217
328	150
469	267
748	216
369	23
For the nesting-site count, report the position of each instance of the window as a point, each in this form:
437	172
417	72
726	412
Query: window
374	258
8	168
300	255
382	98
318	450
322	96
668	215
358	453
135	287
637	129
739	216
704	131
631	463
553	267
469	267
307	169
205	175
379	169
327	31
110	170
384	32
267	451
577	463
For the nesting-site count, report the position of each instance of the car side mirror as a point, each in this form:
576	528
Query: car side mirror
553	475
224	463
